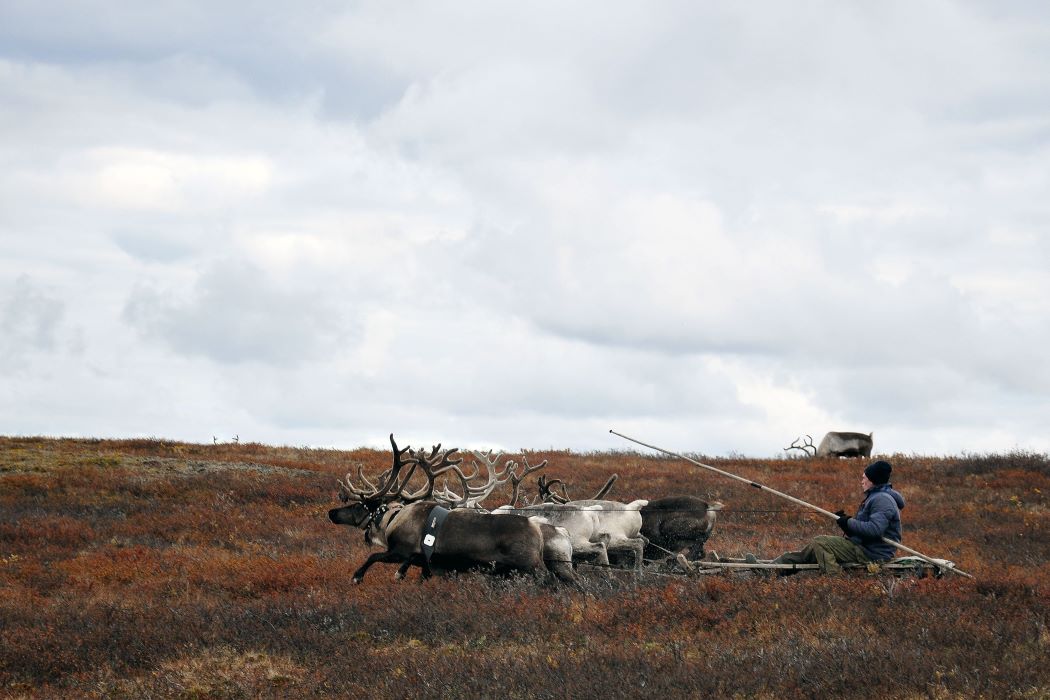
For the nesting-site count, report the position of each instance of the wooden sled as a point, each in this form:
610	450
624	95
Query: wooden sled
899	566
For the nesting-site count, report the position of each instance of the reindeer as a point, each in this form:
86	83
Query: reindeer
671	525
619	524
678	525
396	518
836	444
582	525
558	542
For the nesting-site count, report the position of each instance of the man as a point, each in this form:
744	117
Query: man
879	516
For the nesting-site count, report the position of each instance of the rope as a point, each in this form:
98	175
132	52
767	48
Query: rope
653	544
670	510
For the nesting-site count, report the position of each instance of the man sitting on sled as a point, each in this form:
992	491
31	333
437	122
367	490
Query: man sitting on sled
879	516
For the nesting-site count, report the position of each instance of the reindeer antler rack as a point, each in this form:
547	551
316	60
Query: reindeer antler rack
548	495
805	447
516	478
387	480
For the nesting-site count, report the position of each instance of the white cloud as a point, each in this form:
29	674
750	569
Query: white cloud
237	314
197	178
29	322
126	178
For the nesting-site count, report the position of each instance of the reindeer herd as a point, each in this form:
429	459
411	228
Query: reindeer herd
446	529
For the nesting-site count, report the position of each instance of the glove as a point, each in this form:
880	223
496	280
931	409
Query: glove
842	521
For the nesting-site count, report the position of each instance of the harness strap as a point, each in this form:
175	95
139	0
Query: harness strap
435	519
375	520
377	516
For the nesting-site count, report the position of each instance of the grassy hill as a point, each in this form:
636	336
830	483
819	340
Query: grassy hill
148	568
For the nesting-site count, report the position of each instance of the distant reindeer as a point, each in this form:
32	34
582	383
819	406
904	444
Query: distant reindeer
836	444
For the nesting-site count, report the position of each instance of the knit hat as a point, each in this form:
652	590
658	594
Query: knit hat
878	472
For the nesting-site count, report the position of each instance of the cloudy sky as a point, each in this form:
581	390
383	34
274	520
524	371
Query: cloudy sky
713	226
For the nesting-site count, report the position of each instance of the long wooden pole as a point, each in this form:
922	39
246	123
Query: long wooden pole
798	501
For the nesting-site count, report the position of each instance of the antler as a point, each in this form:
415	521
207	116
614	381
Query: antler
436	464
516	478
349	492
547	494
804	447
473	494
605	489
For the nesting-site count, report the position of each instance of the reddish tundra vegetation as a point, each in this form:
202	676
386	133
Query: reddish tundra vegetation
149	568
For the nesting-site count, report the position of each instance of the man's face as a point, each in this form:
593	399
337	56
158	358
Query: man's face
865	483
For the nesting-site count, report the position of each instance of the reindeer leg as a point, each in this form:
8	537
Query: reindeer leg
413	560
638	548
697	550
602	556
376	557
604	542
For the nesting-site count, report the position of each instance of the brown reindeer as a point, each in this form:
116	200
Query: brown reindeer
678	524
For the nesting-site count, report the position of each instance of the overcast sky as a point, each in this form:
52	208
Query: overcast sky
712	226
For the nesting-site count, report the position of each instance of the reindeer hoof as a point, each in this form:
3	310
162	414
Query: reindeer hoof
355	580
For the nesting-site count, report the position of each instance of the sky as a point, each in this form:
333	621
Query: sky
711	226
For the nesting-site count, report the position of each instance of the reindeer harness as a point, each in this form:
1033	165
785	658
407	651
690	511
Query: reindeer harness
376	517
375	521
435	519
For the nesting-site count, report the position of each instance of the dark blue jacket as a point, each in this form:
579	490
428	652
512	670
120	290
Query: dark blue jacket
879	516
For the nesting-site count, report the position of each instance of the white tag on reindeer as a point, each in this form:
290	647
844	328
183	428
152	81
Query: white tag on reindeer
428	541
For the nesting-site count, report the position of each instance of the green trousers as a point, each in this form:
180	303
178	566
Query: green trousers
827	551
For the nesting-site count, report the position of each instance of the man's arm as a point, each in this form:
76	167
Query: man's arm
882	511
